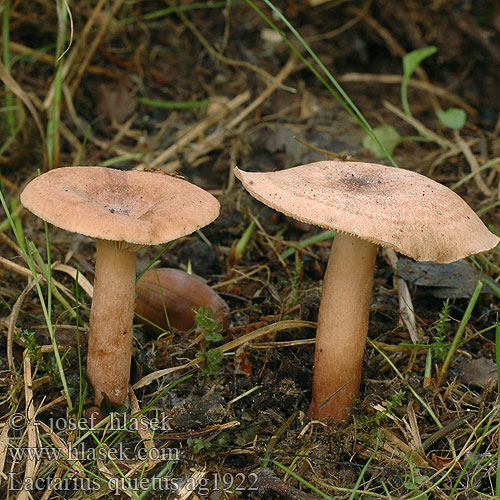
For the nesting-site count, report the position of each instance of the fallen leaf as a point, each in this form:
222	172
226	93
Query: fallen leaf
481	372
117	101
455	280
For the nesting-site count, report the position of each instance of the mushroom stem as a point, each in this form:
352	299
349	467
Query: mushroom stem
111	319
342	327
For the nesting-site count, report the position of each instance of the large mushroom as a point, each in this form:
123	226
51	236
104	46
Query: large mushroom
368	205
123	211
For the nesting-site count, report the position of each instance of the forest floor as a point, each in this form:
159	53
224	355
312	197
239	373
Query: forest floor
195	89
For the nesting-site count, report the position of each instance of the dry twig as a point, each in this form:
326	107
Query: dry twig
215	139
31	467
473	163
229	346
12	323
194	132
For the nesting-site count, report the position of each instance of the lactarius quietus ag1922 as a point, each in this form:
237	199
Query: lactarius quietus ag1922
123	211
369	205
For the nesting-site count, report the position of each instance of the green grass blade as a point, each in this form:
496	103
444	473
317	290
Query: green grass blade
158	476
31	265
151	264
55	107
158	14
410	388
47	274
497	352
241	245
159	103
317	238
121	159
9	97
459	332
302	480
492	285
335	88
363	471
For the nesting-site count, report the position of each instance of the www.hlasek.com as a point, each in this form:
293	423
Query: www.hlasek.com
211	483
81	453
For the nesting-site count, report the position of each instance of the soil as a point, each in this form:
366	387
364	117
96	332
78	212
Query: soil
248	419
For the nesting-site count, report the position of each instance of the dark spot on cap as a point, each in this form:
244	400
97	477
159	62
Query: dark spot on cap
119	210
355	182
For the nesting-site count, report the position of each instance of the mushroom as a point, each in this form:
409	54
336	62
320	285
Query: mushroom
368	205
123	211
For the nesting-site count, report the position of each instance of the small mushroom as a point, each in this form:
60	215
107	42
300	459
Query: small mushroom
368	205
166	298
123	211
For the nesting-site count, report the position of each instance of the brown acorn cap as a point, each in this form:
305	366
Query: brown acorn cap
165	297
138	208
387	206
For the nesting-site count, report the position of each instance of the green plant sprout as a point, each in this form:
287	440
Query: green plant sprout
209	358
395	401
453	118
198	444
242	244
411	61
32	346
413	480
387	135
439	346
390	138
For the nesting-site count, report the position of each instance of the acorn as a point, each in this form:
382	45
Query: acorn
176	292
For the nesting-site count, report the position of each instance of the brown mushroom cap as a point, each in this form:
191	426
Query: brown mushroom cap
388	206
140	208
